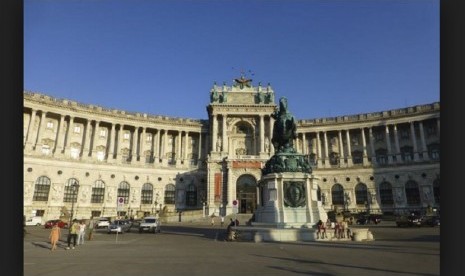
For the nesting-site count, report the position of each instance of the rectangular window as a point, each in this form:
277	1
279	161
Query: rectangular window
50	124
103	133
100	156
149	137
74	153
77	129
379	136
46	149
430	129
404	134
126	136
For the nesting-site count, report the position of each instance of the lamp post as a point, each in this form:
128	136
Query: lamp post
74	189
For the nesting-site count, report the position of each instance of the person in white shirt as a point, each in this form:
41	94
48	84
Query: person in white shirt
81	232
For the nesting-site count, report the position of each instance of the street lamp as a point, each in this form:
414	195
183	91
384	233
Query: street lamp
74	189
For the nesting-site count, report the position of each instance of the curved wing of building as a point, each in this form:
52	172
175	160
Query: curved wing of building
102	162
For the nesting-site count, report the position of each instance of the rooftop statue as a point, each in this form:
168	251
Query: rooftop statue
241	82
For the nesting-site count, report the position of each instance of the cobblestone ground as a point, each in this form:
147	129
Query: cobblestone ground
200	249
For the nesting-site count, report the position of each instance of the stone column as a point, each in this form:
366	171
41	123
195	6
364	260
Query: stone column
60	141
134	145
364	144
388	144
325	137
304	144
199	150
262	134
414	140
142	141
178	148
396	141
93	148
111	151
30	128
70	130
341	149
163	146
423	142
120	140
372	146
156	147
214	133
86	143
224	142
318	144
38	142
186	144
272	149
349	150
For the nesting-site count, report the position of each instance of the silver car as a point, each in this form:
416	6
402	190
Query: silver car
119	226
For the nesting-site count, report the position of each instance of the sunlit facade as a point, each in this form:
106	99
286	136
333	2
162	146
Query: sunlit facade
131	164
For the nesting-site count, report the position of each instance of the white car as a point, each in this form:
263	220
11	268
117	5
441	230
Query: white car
149	224
103	223
34	221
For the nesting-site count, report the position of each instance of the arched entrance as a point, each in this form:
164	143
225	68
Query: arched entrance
246	193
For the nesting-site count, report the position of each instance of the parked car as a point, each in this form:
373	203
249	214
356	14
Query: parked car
431	221
149	224
59	222
34	221
103	223
405	221
119	226
366	219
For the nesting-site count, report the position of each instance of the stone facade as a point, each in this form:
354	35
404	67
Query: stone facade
385	161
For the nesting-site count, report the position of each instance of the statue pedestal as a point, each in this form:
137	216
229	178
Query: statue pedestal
288	201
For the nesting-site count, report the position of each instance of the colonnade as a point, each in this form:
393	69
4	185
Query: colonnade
90	134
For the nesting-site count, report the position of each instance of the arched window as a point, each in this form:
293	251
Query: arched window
385	193
98	192
436	190
71	190
147	193
170	190
412	193
123	191
41	189
337	194
191	195
361	194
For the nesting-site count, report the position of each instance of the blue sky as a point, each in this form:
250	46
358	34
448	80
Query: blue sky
161	57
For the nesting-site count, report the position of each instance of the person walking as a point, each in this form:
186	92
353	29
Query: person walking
81	232
73	232
54	236
90	229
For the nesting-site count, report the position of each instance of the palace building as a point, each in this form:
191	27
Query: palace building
104	162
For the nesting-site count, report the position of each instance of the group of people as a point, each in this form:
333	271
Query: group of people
341	229
76	235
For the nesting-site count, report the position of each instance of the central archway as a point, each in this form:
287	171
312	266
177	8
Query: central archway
246	193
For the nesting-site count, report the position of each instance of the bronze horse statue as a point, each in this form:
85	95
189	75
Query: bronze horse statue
284	130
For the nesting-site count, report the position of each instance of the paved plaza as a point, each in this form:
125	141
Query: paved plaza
199	249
